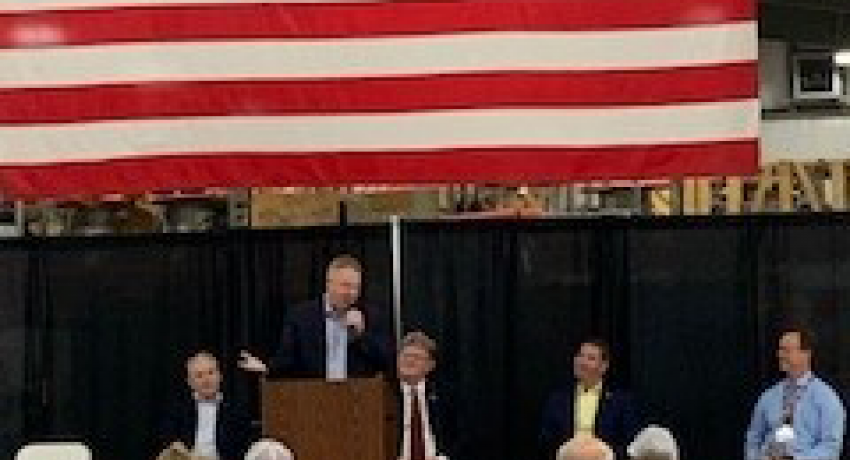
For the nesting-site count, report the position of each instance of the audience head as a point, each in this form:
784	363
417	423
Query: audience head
654	443
585	447
269	449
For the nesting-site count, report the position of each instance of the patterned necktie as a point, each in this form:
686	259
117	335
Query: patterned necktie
790	395
417	432
789	402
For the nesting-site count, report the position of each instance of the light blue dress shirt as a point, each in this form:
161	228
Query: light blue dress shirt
336	337
818	421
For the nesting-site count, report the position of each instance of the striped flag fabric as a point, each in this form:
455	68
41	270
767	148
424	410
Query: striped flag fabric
106	96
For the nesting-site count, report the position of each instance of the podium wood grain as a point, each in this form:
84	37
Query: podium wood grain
319	420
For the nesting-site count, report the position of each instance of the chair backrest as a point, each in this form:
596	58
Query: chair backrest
54	451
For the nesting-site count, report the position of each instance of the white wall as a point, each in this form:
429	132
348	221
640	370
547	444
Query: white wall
800	139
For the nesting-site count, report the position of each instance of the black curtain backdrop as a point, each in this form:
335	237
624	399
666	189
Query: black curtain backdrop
95	331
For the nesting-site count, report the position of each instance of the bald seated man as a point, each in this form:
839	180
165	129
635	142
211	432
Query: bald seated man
204	422
654	443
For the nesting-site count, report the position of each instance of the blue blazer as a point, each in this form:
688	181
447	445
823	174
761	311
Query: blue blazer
303	347
617	420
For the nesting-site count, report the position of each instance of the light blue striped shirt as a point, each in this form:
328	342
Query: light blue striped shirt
818	421
336	339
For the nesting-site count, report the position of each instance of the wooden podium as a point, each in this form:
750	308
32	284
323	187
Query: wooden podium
353	419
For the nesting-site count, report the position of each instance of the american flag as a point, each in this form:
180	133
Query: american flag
100	96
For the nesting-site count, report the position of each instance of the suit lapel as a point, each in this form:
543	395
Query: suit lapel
433	403
570	410
220	432
602	409
435	415
190	421
316	317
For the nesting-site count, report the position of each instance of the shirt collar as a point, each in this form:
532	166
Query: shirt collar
216	400
803	380
418	386
594	389
329	311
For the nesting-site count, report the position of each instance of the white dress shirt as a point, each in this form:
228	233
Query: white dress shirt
205	430
427	435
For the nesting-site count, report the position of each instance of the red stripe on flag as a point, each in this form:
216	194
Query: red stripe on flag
229	21
332	169
379	95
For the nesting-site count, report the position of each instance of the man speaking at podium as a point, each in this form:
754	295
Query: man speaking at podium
326	337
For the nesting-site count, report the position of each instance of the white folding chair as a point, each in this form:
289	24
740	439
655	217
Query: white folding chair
54	451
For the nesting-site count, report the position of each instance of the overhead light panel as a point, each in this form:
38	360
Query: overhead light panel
842	58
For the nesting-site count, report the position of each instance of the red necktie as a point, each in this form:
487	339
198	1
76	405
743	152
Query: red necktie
417	433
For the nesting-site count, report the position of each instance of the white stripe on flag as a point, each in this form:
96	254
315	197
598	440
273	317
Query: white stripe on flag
716	121
502	51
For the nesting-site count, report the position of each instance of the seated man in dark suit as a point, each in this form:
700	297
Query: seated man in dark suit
426	427
588	405
329	336
204	422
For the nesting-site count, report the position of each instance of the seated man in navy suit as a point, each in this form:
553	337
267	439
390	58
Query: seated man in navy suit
426	427
204	422
588	405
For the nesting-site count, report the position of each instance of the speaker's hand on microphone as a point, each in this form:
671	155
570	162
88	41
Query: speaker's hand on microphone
355	321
